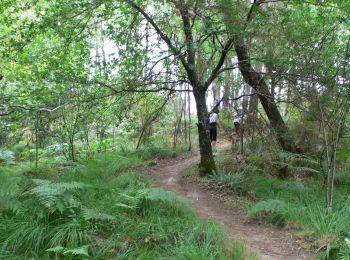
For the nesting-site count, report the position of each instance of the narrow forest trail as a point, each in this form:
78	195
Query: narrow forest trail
266	241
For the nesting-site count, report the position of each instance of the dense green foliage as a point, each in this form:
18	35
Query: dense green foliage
92	89
288	201
100	209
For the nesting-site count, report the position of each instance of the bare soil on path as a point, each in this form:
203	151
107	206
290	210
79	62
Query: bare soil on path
267	242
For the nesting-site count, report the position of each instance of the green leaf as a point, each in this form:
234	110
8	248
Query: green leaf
57	249
82	251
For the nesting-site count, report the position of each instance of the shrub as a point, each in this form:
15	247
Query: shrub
19	150
271	211
98	210
233	181
336	222
256	160
292	164
7	157
342	178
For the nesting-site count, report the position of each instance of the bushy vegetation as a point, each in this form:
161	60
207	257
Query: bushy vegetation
273	211
295	200
99	209
84	83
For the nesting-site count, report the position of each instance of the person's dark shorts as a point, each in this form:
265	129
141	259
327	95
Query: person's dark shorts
236	125
213	131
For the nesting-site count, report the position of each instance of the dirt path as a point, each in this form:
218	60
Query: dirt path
266	241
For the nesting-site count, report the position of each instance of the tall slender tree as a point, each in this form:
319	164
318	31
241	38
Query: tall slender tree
188	58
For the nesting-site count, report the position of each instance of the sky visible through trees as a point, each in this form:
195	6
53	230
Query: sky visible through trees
81	78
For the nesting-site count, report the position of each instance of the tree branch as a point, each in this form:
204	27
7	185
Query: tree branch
162	35
231	99
221	61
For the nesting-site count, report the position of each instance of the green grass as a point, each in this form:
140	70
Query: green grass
101	209
299	204
155	149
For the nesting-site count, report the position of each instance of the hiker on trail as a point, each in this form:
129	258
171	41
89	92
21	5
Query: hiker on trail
237	123
213	122
236	127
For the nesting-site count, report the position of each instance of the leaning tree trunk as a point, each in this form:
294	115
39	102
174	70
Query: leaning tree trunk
253	108
257	82
207	163
227	87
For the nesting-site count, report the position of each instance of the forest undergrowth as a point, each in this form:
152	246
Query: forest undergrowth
100	208
287	190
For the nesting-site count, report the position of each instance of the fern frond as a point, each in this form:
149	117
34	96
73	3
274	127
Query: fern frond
7	157
56	249
158	194
56	196
90	214
272	211
131	200
9	185
57	187
297	163
302	160
302	170
234	181
79	251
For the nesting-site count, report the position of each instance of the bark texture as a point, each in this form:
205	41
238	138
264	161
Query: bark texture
207	163
257	82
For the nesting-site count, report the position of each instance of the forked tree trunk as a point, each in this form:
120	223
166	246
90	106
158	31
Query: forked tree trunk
207	163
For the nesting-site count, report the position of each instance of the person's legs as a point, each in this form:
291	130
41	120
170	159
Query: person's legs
233	136
236	124
215	133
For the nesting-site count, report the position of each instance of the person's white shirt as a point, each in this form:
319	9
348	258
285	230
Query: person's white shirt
213	118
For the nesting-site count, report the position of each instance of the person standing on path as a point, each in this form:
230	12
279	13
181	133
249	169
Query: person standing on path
237	123
213	122
236	127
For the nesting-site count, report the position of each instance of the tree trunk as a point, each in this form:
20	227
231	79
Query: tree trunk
256	81
36	140
228	80
216	92
184	98
235	91
226	101
253	107
289	94
207	163
245	102
189	119
71	147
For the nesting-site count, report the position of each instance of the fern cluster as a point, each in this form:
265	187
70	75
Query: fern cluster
44	214
93	210
272	211
234	181
296	164
7	157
